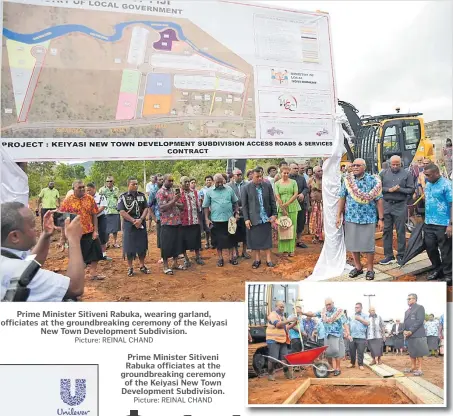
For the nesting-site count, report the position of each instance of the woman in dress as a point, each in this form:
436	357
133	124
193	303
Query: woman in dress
286	192
375	337
432	335
316	216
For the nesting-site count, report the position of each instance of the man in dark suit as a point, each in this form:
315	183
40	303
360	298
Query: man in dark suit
237	184
260	212
414	332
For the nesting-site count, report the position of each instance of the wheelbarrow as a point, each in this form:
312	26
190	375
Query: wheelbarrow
306	359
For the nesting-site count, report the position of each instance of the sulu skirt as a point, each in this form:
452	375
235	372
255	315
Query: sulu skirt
220	237
135	240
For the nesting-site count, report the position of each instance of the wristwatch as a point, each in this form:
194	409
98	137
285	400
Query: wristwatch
381	219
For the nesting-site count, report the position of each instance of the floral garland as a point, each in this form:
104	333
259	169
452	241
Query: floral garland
358	195
334	317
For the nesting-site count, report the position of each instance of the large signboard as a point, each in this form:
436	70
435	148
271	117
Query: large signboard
164	79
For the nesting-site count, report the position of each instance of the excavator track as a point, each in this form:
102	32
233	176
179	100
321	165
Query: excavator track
255	364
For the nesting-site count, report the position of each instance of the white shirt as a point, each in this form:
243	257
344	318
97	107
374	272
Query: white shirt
101	201
46	286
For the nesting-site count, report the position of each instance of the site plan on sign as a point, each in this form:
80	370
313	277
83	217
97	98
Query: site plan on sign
165	70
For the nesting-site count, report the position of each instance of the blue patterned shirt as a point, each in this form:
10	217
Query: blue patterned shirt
361	213
309	326
321	330
294	332
356	328
263	216
335	328
432	328
437	200
152	202
221	201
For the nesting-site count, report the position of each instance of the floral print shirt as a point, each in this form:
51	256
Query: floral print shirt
360	213
437	202
189	214
432	328
85	207
171	216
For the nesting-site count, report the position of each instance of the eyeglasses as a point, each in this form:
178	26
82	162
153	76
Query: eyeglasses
410	298
356	165
134	184
109	181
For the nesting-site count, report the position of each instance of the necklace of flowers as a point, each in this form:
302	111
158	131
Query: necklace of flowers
358	195
332	318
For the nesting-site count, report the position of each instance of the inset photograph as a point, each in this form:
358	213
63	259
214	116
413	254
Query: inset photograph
346	344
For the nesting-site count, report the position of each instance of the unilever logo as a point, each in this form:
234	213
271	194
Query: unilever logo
73	400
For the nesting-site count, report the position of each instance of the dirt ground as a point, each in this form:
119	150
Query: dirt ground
353	395
199	283
262	391
433	367
207	283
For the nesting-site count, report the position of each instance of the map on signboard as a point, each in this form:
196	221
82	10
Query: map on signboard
79	73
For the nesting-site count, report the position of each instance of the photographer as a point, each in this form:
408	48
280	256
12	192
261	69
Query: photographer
18	236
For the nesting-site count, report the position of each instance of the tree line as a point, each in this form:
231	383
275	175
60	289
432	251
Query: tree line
41	173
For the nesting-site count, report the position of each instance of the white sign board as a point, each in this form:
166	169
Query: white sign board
167	79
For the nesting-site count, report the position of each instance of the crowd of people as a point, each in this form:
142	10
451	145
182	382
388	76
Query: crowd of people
349	337
238	218
243	219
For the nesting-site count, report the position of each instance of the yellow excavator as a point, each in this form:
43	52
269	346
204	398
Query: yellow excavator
261	301
377	138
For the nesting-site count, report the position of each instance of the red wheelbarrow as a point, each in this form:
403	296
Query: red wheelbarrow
305	359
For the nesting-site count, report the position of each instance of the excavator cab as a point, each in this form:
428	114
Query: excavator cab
384	136
377	138
261	301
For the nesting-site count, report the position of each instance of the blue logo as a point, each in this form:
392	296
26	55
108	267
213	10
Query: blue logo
80	391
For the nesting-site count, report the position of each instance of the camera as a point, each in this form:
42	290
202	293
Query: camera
60	217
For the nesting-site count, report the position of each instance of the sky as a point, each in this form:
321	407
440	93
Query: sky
390	53
390	298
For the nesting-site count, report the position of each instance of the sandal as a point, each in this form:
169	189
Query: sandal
418	373
220	263
179	267
187	264
270	264
130	272
355	272
407	371
116	246
246	256
256	264
198	260
168	272
369	275
290	254
234	261
97	277
336	372
145	270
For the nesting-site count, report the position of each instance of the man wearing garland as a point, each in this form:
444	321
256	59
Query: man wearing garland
336	327
360	203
